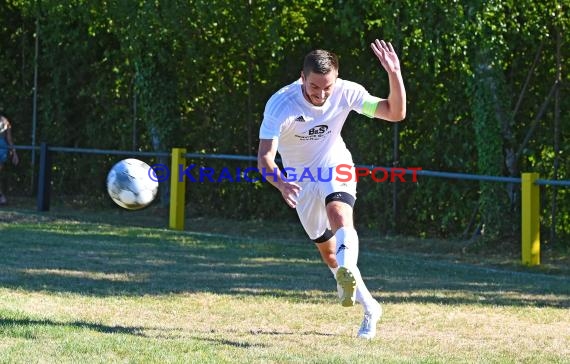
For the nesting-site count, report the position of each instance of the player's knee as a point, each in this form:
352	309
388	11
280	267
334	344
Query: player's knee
339	214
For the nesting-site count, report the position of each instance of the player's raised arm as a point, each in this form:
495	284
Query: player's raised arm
394	107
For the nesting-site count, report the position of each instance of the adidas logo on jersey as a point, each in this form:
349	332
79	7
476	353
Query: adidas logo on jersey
300	119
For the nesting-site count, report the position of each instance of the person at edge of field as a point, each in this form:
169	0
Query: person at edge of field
7	150
303	121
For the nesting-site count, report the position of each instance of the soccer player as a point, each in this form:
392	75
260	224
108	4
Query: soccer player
303	121
7	151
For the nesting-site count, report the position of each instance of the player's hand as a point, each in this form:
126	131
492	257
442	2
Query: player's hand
386	55
290	192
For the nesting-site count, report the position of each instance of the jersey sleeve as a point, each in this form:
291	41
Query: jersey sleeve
273	117
270	127
360	100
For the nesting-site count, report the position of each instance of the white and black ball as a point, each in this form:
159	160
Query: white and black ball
130	184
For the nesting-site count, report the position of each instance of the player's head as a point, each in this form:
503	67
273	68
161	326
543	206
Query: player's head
321	62
320	71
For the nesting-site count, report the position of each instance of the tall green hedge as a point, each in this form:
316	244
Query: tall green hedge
152	75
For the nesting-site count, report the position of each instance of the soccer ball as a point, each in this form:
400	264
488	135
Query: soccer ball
130	184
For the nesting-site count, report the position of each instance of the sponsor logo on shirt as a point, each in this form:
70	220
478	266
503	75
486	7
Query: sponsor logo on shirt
315	133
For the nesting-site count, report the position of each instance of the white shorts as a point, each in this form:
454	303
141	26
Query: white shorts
311	204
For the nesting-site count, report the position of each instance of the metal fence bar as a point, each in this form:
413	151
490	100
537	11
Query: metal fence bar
44	179
108	152
221	156
449	175
96	151
550	182
427	173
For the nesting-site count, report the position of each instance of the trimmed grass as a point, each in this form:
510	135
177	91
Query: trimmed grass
100	288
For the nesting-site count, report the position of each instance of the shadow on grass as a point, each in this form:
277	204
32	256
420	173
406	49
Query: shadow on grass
105	260
246	345
232	343
25	327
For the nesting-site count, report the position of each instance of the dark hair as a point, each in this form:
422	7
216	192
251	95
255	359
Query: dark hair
320	61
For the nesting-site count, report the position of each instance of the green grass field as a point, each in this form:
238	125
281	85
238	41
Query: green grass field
107	288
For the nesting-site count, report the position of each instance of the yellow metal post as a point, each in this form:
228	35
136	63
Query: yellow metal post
530	220
177	189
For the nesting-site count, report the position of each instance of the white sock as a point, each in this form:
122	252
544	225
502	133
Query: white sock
346	247
347	256
363	296
334	270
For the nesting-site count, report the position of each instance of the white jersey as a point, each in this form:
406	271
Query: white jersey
309	136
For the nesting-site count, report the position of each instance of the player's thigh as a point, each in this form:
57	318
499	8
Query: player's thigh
312	212
339	198
340	214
